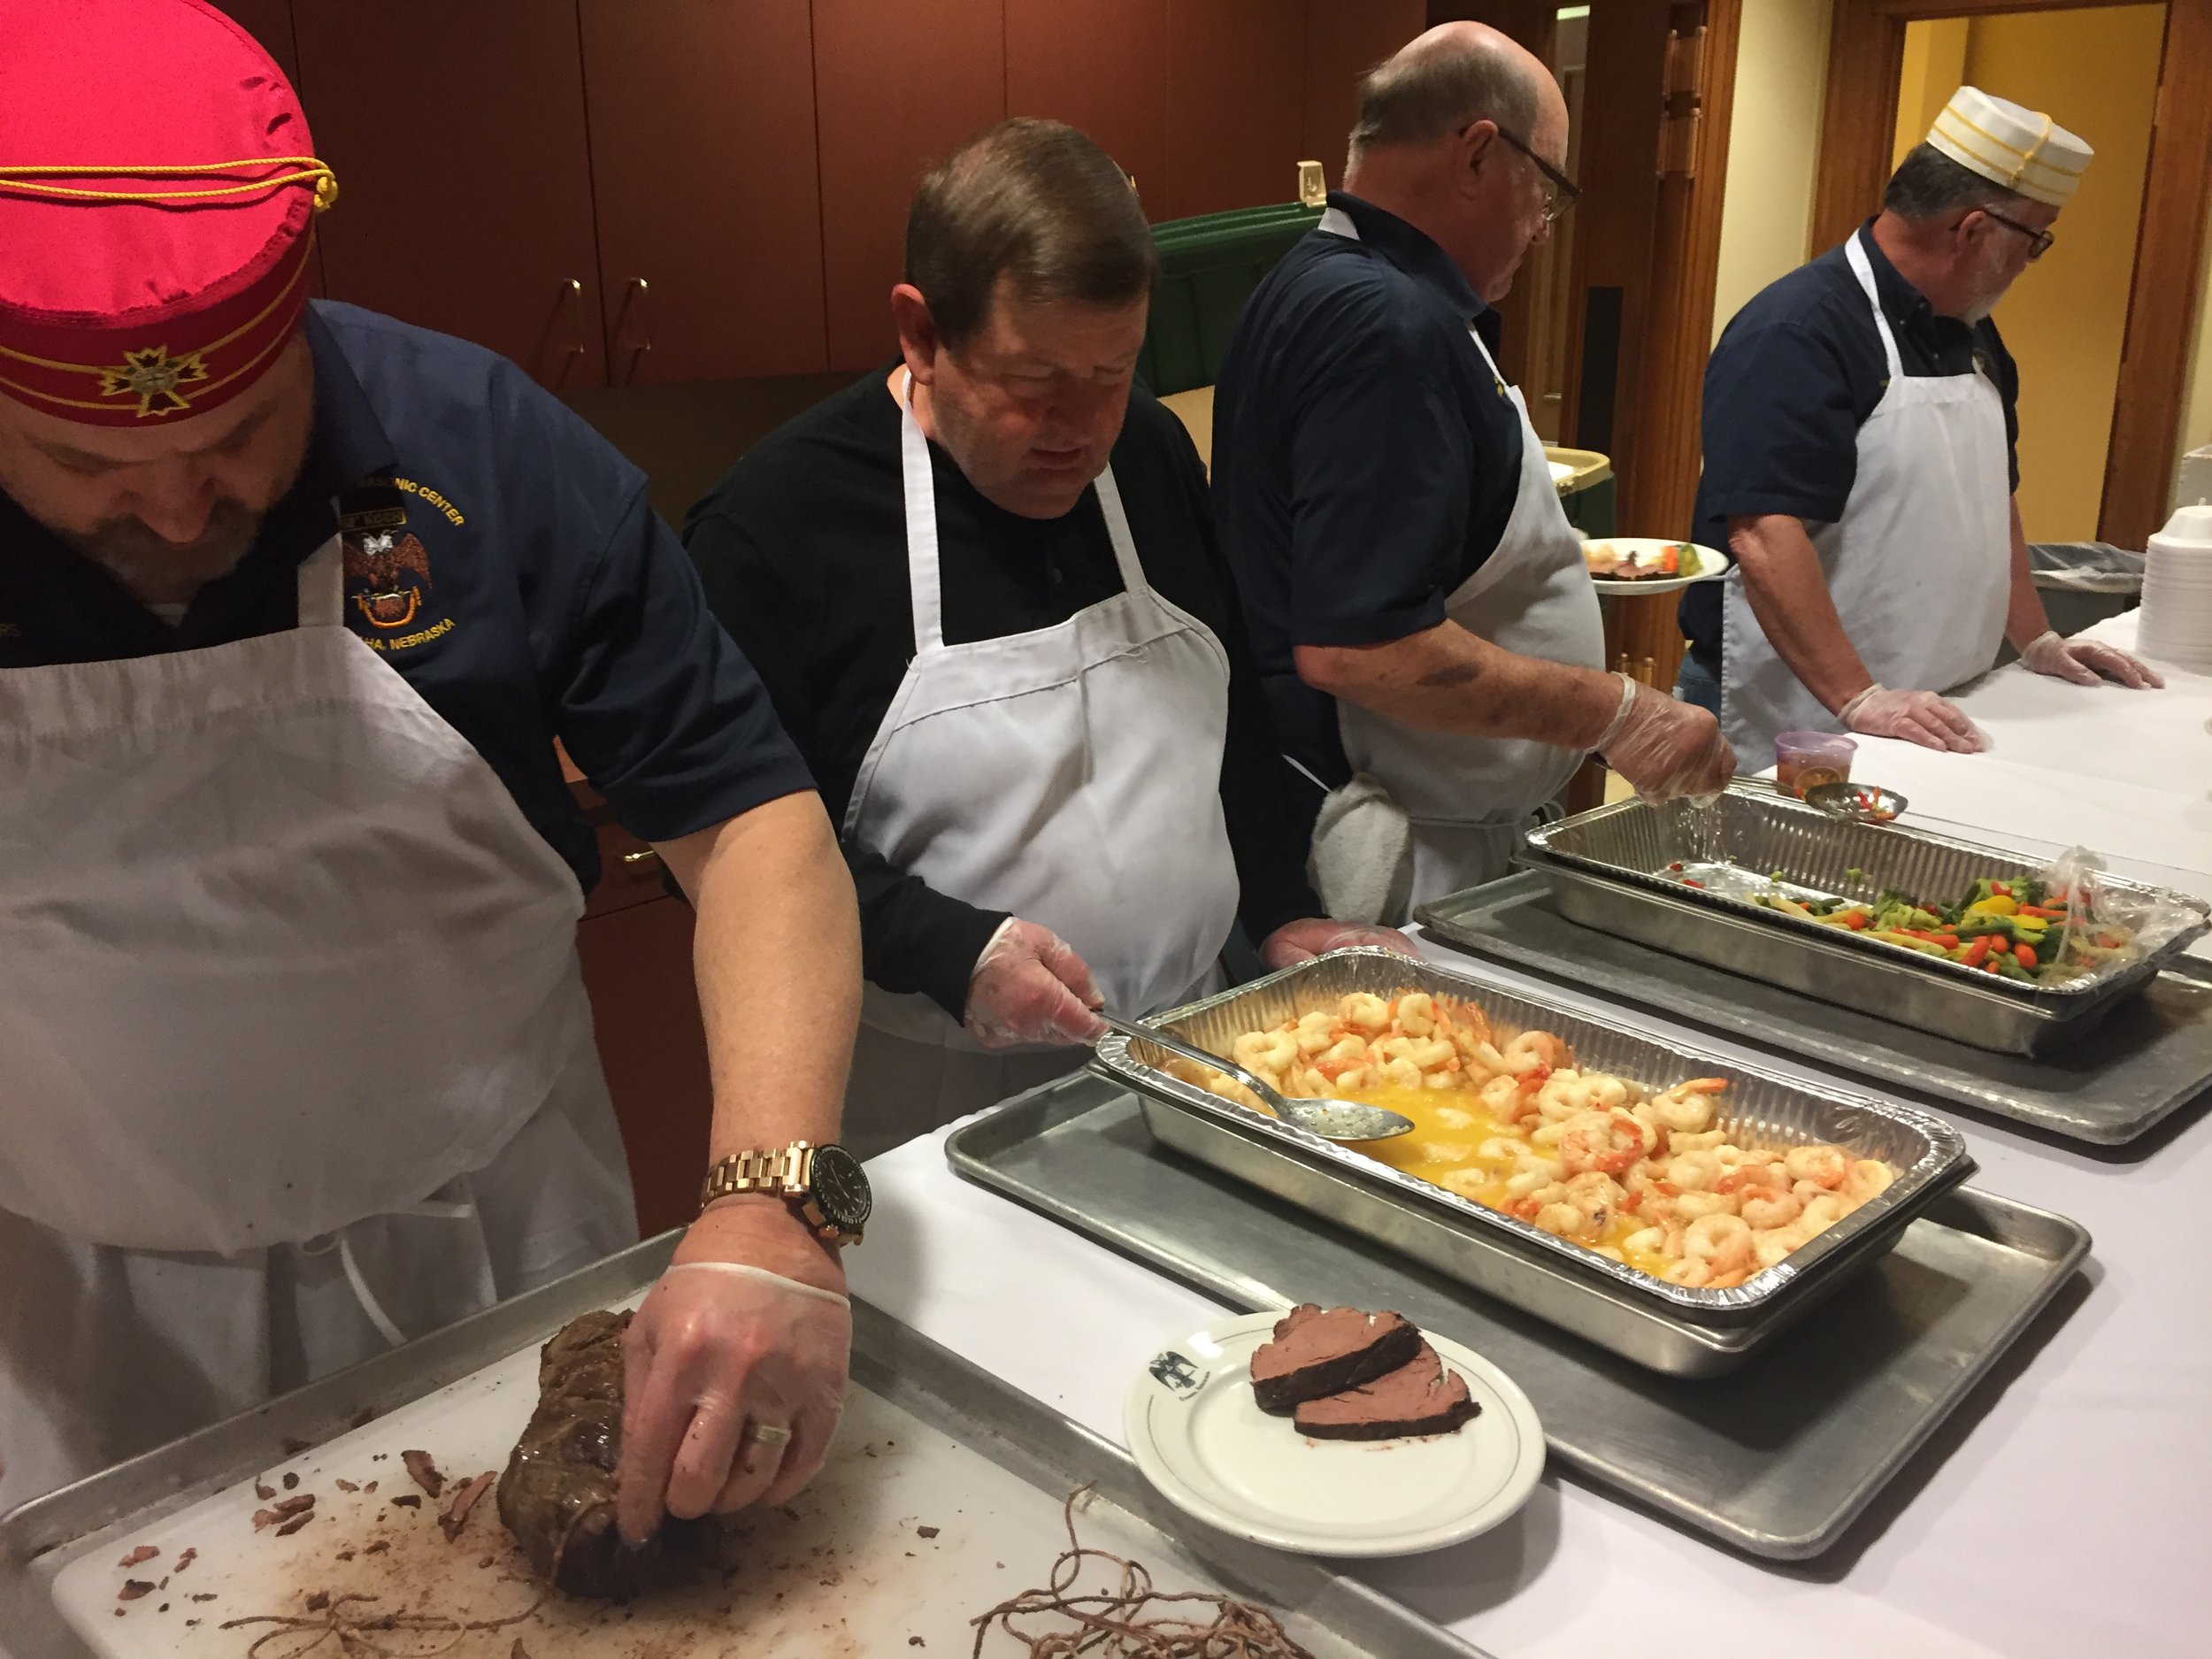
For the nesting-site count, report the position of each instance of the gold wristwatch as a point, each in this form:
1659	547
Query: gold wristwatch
825	1184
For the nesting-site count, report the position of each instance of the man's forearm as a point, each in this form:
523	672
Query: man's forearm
2026	618
1788	595
777	956
1445	679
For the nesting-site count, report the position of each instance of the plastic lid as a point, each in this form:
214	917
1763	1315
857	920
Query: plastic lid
2190	528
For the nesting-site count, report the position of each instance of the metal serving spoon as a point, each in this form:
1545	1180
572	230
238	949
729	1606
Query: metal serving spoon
1330	1119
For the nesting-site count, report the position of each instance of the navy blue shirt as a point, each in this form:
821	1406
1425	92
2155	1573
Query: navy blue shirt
1366	455
531	593
1795	375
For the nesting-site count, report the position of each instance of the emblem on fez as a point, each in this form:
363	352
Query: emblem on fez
152	376
393	570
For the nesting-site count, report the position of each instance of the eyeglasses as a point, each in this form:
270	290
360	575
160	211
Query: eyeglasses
1563	192
2039	242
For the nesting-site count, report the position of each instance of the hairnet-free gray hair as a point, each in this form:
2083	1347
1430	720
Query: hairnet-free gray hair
1928	184
1421	98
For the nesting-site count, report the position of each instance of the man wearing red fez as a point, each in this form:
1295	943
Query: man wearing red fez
295	600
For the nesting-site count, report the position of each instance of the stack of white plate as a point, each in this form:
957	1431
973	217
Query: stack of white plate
2175	624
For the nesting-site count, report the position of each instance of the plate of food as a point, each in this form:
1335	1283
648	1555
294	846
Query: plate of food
1334	1432
1650	565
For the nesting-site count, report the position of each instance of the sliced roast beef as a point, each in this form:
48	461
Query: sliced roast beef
1420	1397
557	1494
1317	1352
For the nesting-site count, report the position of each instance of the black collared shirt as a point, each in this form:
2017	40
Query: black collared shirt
548	601
1795	374
802	547
1366	456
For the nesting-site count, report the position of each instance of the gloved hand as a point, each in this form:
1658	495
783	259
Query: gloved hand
719	1351
1029	985
1919	717
1303	940
2086	662
1664	748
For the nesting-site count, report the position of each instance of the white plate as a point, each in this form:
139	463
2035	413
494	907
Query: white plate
1199	1436
1712	566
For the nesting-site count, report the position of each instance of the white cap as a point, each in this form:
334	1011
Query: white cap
2022	149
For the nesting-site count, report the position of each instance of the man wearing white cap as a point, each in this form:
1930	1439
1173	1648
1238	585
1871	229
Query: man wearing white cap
1860	418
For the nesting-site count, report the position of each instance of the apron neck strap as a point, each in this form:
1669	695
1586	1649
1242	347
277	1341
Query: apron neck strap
920	485
1863	269
322	586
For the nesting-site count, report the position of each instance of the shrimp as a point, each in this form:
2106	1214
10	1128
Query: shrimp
1651	1241
1868	1178
1314	1034
1534	1049
1605	1141
1447	1151
1564	1219
1535	1173
1823	1165
1562	1095
1270	1052
1605	1090
1370	1013
1452	1117
1694	1172
1596	1194
1763	1211
1690	1272
1345	1051
1402	1073
1724	1241
1769	1245
1415	1013
1821	1214
1687	1108
1706	1140
1697	1206
1467	1183
1501	1096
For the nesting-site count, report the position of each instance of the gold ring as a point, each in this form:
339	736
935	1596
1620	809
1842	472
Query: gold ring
772	1434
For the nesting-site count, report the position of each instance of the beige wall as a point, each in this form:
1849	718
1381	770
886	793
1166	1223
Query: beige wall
2196	417
2096	70
1773	145
1935	67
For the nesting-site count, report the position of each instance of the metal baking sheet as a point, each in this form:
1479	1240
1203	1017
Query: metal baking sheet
928	1439
1609	867
1774	1461
2150	1057
1504	1255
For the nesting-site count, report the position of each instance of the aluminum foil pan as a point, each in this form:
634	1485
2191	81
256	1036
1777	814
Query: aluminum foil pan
1770	1110
1755	830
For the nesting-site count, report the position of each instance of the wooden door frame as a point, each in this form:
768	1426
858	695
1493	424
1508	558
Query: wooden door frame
1866	60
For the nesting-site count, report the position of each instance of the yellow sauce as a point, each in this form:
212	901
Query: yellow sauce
1438	1146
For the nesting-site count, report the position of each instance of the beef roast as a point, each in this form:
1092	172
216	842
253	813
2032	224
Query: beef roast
1420	1397
558	1494
1316	1353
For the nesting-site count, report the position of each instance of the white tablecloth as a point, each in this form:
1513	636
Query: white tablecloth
2065	1510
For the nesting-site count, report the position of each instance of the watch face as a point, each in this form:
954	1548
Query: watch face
841	1188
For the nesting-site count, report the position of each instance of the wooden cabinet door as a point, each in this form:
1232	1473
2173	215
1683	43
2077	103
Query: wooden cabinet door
1100	68
645	1010
457	133
710	207
1236	73
1344	40
896	86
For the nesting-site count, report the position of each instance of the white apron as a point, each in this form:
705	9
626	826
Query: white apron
294	1056
1428	813
1070	775
1920	564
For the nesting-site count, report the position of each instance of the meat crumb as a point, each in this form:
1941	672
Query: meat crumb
347	1486
298	1505
378	1547
204	1595
409	1500
133	1588
916	1641
264	1517
465	1497
486	1561
163	1607
187	1559
926	1531
119	1612
164	1585
370	1487
295	1523
518	1651
144	1552
264	1491
318	1602
425	1471
291	1481
345	1555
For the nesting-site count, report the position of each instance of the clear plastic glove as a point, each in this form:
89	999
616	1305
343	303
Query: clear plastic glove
1667	748
1919	717
1029	985
1303	940
718	1351
2087	662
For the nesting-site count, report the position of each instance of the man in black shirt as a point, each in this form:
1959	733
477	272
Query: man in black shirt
1860	415
982	589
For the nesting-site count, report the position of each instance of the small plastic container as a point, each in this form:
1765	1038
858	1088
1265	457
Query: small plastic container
1802	759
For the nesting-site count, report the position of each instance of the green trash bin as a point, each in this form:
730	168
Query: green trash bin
1209	266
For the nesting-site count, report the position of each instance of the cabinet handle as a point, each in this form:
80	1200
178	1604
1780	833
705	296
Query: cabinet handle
633	333
644	856
578	347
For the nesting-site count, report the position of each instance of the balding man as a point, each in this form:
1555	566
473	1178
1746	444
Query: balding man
1860	416
1417	601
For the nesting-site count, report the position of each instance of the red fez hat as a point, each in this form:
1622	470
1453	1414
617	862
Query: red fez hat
154	235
